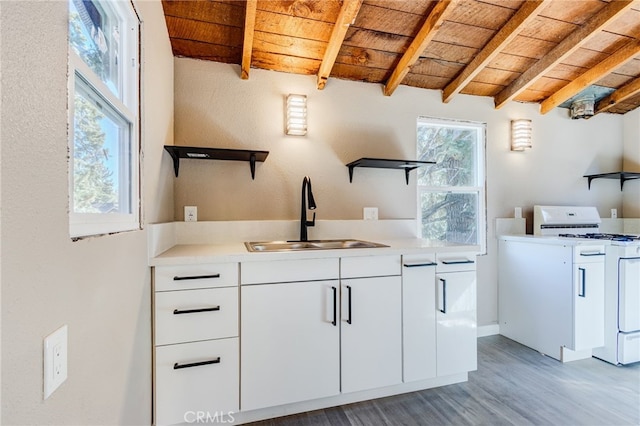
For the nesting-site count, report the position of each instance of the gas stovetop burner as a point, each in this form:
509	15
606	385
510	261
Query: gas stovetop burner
611	237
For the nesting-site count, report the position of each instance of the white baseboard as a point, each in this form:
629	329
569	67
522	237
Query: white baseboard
488	330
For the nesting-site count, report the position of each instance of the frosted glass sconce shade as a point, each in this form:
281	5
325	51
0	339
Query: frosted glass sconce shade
296	115
520	134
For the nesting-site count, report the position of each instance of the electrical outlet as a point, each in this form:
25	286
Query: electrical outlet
370	213
55	360
190	213
614	213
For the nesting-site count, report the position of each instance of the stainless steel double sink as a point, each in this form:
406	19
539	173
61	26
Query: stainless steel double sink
269	246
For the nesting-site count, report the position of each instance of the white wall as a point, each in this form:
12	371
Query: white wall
631	163
99	287
349	120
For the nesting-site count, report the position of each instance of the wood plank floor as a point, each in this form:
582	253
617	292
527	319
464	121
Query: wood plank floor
514	385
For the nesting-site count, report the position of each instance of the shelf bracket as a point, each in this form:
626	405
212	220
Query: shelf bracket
252	165
351	174
406	175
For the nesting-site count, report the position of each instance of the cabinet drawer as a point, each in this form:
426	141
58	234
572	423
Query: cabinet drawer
455	262
278	271
589	254
196	377
187	316
369	266
195	276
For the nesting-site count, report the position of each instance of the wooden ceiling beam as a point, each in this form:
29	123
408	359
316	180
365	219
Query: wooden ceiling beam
623	55
431	25
249	30
524	15
565	48
625	92
346	17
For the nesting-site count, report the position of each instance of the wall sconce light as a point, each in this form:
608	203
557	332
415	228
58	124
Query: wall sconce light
296	112
520	134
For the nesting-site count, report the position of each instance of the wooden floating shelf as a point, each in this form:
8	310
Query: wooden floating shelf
384	163
202	153
623	176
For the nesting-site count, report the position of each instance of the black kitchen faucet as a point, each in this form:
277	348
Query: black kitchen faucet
307	198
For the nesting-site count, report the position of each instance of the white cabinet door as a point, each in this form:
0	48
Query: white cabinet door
418	317
629	284
588	305
456	322
371	334
289	343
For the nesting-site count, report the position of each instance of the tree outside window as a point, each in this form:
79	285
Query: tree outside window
451	192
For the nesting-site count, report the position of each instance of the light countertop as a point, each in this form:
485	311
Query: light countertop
185	254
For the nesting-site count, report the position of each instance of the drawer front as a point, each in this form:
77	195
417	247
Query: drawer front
187	277
455	262
197	377
279	271
369	266
589	254
187	316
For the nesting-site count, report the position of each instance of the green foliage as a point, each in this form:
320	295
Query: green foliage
93	190
448	215
93	187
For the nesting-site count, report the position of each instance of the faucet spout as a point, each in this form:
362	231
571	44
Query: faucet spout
307	200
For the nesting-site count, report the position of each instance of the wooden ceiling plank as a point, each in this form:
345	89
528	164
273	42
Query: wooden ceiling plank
622	56
425	35
625	92
247	44
505	35
346	17
570	44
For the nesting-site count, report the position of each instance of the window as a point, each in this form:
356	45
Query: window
104	117
451	193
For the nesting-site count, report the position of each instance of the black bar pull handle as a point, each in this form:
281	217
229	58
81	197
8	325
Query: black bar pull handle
582	292
194	311
196	277
177	366
335	306
593	253
418	265
457	262
444	296
349	317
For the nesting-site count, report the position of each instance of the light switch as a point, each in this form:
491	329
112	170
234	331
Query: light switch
55	360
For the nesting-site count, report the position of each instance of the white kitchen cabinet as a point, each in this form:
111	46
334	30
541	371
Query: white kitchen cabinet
456	332
290	343
371	333
419	317
439	315
551	295
196	344
198	377
588	304
319	337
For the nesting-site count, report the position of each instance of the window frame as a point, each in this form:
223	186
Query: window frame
124	105
480	176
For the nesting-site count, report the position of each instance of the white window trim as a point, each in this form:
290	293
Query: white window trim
481	174
92	224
